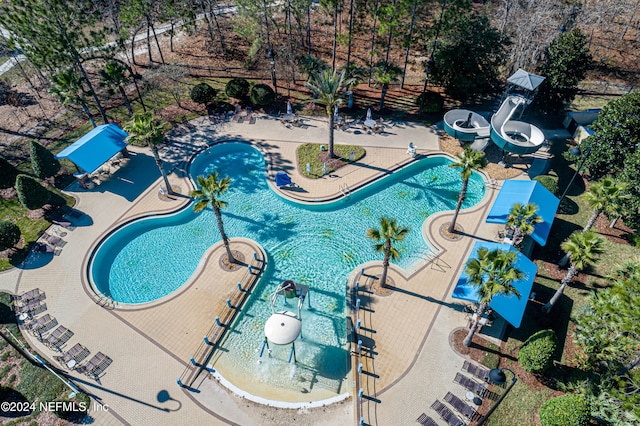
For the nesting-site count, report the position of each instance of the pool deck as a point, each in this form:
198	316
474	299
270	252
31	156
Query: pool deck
408	330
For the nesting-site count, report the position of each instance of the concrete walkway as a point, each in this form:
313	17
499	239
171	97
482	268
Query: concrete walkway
150	344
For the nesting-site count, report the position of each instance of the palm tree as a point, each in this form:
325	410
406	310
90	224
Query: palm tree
492	272
353	76
522	219
328	85
605	196
583	248
385	238
211	188
468	161
114	75
384	74
66	86
144	129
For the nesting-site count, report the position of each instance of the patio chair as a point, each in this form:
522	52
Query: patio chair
32	308
64	224
478	372
425	420
446	414
42	324
53	240
466	410
73	356
28	296
58	337
96	365
470	385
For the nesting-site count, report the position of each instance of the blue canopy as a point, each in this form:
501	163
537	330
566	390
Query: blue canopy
526	191
96	147
509	307
282	179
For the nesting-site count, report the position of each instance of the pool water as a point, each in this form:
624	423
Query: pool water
316	245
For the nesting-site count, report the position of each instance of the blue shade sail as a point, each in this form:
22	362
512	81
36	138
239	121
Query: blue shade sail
95	148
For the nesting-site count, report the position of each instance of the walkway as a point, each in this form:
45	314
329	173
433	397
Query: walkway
150	345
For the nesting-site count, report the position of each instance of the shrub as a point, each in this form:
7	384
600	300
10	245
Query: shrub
31	194
203	94
262	94
8	174
430	102
42	161
536	356
237	88
9	235
565	410
549	182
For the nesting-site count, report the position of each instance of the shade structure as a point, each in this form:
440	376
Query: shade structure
523	191
96	147
508	307
282	179
526	80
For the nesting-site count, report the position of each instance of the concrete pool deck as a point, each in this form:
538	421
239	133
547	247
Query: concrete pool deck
150	345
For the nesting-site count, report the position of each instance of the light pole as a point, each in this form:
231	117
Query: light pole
497	376
575	151
272	57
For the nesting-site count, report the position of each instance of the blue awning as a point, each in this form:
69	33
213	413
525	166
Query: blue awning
282	179
96	147
526	191
508	307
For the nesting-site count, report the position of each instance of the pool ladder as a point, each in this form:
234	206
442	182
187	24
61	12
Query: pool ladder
344	188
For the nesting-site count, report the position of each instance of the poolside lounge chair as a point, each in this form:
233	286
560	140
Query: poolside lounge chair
470	385
53	240
64	223
28	296
446	414
96	365
73	356
477	371
425	420
466	410
42	324
58	337
34	307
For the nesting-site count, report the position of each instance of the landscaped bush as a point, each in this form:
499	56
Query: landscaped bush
566	410
237	88
9	235
203	94
42	161
8	174
549	182
262	94
31	194
430	102
536	356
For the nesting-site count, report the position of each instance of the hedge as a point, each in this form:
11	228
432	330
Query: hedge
549	182
237	88
43	162
203	93
262	94
536	356
8	174
31	194
565	410
9	235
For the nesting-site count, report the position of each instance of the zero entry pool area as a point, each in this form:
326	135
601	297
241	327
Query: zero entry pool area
315	245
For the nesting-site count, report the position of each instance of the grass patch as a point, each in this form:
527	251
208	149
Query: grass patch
311	154
491	358
520	406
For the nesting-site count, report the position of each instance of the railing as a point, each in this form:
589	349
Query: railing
356	344
344	188
198	361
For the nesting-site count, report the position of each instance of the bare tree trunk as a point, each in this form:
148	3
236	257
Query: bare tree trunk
155	36
350	33
482	307
373	41
335	38
156	157
331	153
463	194
149	40
571	273
406	53
225	239
592	220
223	46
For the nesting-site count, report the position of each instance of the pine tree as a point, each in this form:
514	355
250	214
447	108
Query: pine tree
43	162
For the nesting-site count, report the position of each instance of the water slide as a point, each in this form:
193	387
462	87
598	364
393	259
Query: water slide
516	137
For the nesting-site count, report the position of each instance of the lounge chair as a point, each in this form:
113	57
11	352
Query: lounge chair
96	365
34	307
446	414
478	372
28	296
466	410
470	385
42	324
58	337
53	240
425	420
73	356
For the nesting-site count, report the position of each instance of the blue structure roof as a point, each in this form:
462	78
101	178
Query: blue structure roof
96	147
524	191
508	307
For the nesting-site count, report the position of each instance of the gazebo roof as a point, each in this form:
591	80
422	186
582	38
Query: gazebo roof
526	80
96	147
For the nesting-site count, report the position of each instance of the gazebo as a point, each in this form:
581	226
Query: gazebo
95	148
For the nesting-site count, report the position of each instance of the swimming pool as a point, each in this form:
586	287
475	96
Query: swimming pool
316	245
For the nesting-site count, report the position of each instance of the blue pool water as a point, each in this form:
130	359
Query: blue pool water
316	245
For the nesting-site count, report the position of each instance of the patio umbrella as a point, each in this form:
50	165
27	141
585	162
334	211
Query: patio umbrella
335	111
369	114
289	109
